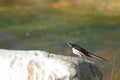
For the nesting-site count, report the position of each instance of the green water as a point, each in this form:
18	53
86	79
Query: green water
51	29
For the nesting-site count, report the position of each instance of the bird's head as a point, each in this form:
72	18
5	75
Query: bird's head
70	43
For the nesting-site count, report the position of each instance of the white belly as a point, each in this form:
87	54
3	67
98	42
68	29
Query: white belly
77	52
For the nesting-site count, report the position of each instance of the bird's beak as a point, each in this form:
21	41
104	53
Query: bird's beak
70	44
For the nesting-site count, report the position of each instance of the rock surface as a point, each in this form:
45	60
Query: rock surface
41	65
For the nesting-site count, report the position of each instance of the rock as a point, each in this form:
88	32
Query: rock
41	65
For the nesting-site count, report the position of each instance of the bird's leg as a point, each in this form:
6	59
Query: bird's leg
82	57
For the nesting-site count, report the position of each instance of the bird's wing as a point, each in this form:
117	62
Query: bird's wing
98	57
85	52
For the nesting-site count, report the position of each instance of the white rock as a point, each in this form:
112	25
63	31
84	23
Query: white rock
41	65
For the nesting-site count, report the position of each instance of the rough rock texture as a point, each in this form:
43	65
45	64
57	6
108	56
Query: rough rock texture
41	65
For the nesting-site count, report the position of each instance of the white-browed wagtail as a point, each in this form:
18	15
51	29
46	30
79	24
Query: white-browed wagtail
76	49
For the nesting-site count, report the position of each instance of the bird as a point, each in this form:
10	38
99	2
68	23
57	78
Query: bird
78	50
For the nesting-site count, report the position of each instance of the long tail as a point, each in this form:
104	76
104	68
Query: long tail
98	57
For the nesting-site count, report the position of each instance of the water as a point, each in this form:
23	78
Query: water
92	37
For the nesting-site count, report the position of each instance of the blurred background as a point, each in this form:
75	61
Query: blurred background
49	24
